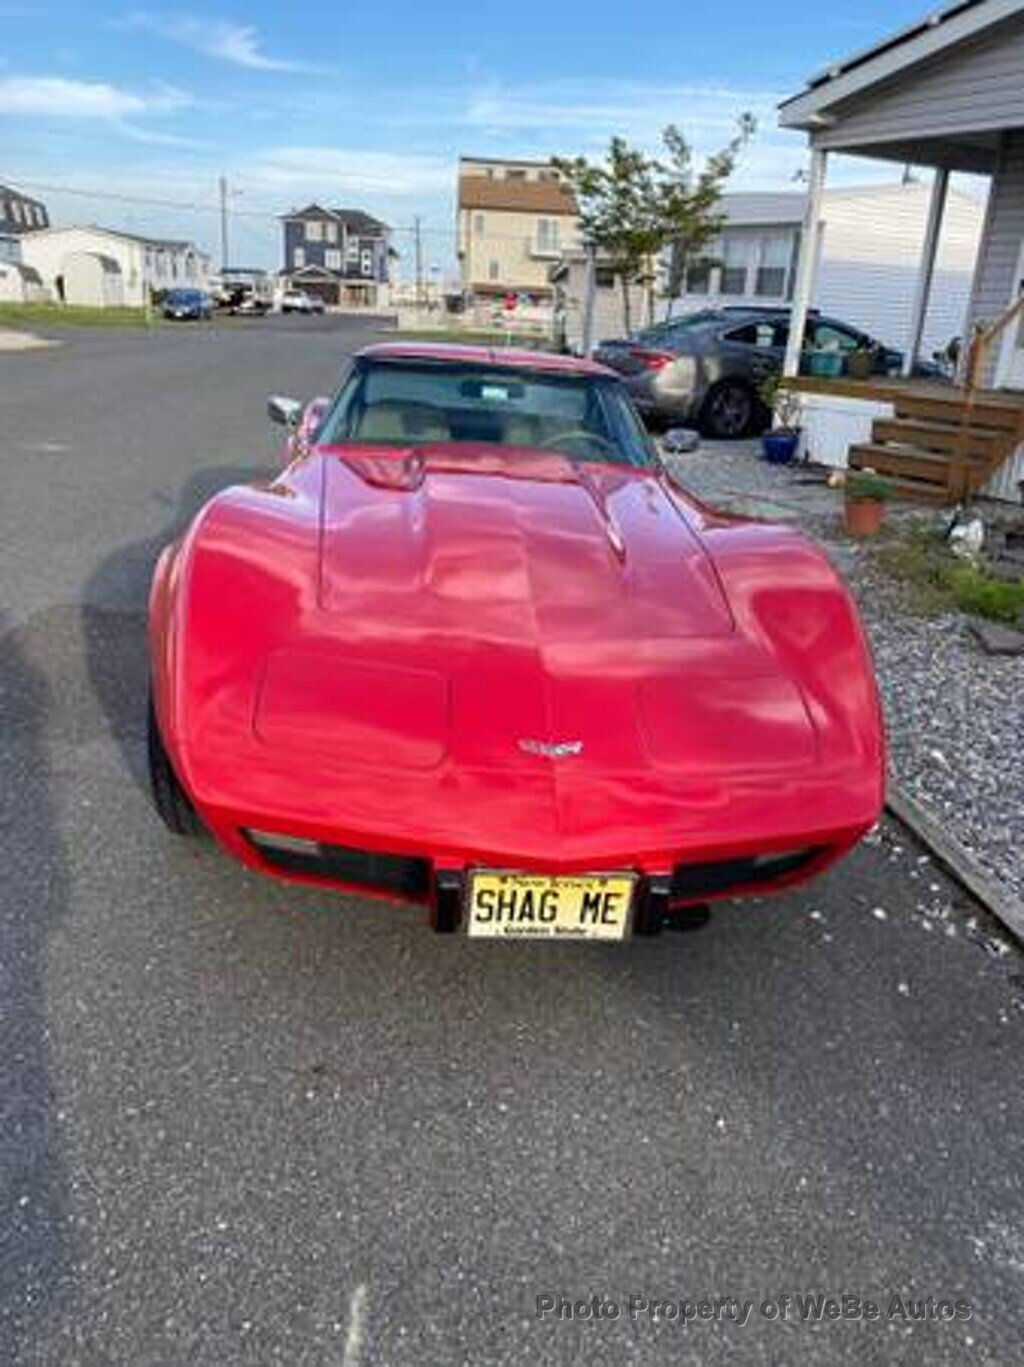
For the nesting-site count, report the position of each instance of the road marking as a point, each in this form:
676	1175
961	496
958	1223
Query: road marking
354	1337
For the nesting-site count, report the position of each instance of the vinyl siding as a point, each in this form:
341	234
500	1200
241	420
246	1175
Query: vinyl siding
975	89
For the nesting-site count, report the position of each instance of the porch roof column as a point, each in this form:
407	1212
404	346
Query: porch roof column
922	293
806	263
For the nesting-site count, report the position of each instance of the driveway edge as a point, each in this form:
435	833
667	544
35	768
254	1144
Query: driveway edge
1001	903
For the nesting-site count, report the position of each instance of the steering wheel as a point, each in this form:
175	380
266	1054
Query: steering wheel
578	434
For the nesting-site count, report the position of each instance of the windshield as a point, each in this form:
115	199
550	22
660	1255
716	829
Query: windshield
416	402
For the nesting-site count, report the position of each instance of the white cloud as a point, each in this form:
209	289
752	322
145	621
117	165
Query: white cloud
57	97
239	44
333	171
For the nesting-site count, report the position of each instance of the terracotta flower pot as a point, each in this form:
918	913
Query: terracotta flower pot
863	516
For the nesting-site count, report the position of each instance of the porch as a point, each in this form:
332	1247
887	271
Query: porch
937	443
944	94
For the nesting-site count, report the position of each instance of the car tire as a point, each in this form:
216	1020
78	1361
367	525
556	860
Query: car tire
173	805
729	411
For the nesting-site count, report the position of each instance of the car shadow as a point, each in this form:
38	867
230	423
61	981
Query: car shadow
36	1266
115	638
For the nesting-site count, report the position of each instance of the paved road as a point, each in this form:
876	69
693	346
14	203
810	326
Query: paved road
245	1123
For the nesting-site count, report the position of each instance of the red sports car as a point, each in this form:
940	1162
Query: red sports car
474	648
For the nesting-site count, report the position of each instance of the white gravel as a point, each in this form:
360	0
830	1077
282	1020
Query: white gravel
955	715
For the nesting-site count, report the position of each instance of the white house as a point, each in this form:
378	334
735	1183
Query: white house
103	266
868	253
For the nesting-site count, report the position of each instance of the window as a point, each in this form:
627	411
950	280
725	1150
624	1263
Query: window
407	403
763	332
314	230
330	232
604	278
697	278
352	253
831	337
298	257
774	254
17	207
332	259
514	173
493	270
366	261
735	257
478	224
547	234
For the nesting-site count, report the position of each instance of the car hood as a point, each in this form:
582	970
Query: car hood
514	547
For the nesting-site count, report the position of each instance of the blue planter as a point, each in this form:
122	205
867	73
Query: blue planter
780	447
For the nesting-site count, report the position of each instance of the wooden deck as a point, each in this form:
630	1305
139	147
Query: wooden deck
943	444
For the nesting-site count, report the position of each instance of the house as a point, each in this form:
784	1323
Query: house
19	214
868	247
343	255
102	267
514	219
945	93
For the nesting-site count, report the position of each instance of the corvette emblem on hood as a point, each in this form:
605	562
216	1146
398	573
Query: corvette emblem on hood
551	749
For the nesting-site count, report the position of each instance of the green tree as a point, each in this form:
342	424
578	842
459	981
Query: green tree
632	205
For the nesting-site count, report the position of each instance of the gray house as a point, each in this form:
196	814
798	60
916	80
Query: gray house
18	214
343	255
947	93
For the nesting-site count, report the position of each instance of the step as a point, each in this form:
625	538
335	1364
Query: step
911	472
995	414
983	443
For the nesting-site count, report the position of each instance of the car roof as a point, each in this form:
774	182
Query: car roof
518	358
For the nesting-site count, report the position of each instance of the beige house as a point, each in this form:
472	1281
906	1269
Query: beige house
514	219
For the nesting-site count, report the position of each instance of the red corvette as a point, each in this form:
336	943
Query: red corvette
475	649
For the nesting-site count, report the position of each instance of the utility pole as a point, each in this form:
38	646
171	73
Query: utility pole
419	265
589	290
223	223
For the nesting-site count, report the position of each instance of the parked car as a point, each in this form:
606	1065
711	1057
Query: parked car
707	367
299	301
187	304
244	300
473	648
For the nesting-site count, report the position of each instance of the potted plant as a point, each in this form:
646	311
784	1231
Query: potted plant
866	497
784	404
860	363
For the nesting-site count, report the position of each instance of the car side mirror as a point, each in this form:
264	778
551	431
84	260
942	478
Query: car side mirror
284	411
679	441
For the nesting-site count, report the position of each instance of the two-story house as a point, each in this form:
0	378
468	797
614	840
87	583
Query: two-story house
342	255
19	214
514	219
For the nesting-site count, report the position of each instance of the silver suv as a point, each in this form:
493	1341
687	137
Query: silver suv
706	368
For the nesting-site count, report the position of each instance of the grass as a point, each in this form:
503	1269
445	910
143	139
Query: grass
72	315
937	581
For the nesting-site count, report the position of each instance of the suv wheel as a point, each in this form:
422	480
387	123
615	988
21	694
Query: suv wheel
728	411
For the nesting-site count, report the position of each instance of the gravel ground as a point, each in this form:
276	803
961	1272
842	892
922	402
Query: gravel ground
953	712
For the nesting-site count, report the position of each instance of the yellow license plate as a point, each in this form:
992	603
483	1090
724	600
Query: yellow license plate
520	906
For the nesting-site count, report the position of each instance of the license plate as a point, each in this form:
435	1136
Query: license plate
519	906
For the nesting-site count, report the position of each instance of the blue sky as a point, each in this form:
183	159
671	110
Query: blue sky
371	104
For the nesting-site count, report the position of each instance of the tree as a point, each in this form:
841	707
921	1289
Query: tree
632	205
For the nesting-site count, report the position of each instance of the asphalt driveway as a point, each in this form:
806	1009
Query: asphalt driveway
247	1123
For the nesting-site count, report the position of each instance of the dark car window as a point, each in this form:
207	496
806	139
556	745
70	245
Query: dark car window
412	402
760	332
832	337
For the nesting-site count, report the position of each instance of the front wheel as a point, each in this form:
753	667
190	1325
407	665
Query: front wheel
728	411
173	805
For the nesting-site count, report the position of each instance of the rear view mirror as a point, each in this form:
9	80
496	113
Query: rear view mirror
679	441
287	412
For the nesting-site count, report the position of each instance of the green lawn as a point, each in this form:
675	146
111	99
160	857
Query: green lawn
65	315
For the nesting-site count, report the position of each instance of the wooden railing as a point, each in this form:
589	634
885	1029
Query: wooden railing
981	343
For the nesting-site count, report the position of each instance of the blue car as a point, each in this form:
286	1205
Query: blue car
188	304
